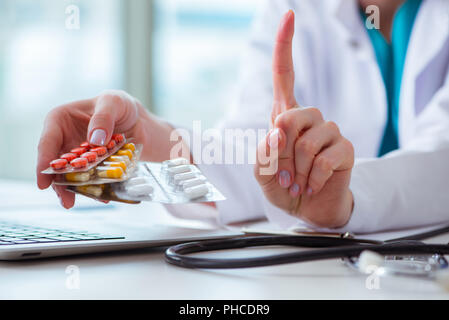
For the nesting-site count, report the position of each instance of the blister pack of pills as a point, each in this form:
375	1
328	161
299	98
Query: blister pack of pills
171	182
85	157
91	165
118	167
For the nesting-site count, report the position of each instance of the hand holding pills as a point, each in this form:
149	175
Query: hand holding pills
95	121
313	160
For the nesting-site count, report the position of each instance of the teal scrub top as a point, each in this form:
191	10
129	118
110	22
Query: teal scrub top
391	60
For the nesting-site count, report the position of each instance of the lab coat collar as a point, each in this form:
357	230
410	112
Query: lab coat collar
349	25
428	38
431	28
346	14
429	34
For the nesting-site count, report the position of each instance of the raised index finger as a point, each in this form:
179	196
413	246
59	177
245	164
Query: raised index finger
283	71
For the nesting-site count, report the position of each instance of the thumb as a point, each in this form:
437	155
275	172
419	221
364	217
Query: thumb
283	70
113	111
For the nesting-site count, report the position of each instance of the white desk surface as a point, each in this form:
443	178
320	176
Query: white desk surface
144	274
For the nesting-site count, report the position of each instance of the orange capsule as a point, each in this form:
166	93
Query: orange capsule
85	145
78	151
118	138
90	156
100	151
69	157
59	164
79	163
111	145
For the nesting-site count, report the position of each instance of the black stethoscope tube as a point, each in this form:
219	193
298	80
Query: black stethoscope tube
334	248
423	235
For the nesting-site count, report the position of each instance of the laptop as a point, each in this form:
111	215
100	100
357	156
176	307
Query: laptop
20	241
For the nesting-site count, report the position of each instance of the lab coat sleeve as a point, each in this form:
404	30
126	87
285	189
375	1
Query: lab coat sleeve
409	187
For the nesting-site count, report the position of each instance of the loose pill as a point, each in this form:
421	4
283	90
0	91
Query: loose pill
77	176
127	153
191	183
95	191
59	164
178	178
130	146
179	169
79	163
140	190
109	172
78	151
136	181
111	145
196	192
90	156
176	162
100	151
118	138
69	157
116	164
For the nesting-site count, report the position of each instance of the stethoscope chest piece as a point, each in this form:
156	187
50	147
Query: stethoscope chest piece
426	266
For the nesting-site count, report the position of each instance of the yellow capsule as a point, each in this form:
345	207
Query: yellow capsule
110	172
130	146
127	153
124	159
95	191
77	176
120	164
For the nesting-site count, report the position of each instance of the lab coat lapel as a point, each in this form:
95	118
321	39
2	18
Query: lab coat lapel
428	37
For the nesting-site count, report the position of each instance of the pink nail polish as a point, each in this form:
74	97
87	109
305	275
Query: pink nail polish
284	179
294	190
98	138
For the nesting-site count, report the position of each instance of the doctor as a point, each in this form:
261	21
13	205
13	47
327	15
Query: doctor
372	154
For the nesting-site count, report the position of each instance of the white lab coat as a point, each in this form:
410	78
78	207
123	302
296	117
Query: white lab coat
337	72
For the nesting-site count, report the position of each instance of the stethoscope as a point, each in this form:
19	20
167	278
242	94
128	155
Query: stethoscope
407	256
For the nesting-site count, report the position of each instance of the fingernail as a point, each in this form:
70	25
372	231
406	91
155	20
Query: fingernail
284	179
274	139
294	190
309	191
98	137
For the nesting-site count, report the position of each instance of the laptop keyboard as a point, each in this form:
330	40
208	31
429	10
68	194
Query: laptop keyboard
15	234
